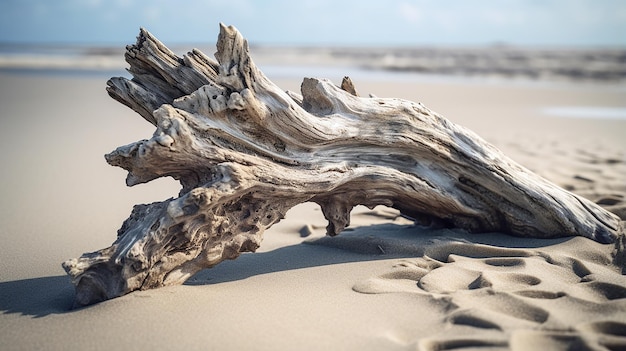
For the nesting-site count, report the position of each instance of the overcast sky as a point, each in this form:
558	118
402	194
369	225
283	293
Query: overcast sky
320	22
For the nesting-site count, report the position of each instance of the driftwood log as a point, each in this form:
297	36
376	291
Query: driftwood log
245	152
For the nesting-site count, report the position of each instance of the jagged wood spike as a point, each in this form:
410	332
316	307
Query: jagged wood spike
347	85
245	152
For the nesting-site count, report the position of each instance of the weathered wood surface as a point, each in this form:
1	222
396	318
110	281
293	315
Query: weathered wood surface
245	152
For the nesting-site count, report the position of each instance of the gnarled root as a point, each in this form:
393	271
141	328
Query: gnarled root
245	152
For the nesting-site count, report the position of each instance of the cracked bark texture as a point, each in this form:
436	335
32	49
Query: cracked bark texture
245	152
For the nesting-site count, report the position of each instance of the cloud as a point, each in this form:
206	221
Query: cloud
409	12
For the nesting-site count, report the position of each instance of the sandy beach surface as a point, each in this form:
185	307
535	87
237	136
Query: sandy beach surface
384	284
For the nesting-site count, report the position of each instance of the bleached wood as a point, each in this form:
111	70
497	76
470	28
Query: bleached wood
245	152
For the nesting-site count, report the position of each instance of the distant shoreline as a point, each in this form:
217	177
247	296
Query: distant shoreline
499	62
65	72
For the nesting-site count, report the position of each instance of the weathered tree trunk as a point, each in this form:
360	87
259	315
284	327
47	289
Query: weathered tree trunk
245	152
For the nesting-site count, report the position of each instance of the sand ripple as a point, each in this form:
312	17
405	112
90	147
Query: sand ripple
497	292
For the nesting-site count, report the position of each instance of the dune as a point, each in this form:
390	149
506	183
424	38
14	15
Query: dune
383	284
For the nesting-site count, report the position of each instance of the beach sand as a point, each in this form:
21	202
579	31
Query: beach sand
383	284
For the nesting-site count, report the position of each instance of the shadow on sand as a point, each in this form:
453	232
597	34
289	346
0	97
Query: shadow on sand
39	297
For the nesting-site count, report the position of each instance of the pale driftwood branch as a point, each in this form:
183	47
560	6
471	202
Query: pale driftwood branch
245	152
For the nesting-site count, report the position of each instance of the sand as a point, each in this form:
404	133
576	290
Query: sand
384	284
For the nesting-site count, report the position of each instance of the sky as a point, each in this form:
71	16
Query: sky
320	22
